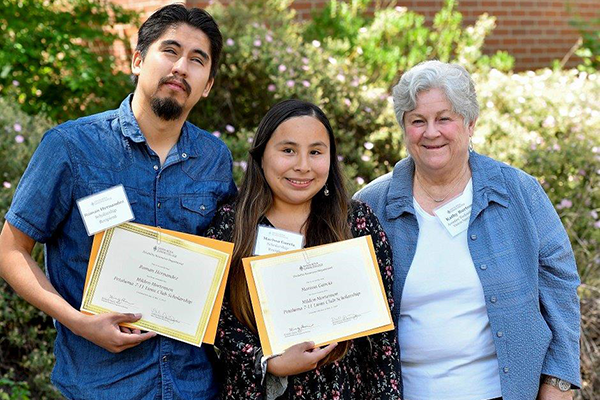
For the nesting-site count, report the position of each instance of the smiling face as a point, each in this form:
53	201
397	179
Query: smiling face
296	161
175	72
436	136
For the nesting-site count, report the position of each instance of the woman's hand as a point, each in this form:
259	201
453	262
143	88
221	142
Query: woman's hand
299	358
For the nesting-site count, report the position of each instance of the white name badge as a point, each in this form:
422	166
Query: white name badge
455	215
105	209
271	240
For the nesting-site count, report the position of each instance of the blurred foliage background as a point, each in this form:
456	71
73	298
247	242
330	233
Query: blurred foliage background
55	65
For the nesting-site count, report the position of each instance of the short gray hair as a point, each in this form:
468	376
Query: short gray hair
452	79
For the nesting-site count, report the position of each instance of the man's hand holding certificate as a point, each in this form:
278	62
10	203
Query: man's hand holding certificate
322	294
175	280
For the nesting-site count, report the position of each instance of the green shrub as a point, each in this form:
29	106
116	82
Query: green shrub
26	334
54	56
546	123
394	39
589	49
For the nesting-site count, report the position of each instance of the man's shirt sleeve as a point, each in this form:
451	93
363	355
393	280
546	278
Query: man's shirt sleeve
44	195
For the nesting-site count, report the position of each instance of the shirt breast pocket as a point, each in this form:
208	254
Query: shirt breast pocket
196	212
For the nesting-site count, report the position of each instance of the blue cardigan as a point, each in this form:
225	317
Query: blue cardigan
524	260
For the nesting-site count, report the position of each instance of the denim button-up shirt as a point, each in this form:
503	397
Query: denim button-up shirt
82	157
524	260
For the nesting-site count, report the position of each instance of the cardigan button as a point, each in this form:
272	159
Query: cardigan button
473	237
493	299
505	369
483	267
499	334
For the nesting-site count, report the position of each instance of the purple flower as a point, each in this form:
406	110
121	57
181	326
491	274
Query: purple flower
347	102
340	158
316	43
305	67
282	68
304	60
243	165
289	50
17	127
257	42
594	214
369	145
229	128
271	88
368	109
230	42
250	139
268	38
597	224
365	157
15	83
290	83
306	83
360	180
565	203
217	134
19	139
7	184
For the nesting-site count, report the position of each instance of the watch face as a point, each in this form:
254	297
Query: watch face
563	385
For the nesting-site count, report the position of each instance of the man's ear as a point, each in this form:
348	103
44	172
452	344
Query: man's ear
136	63
208	86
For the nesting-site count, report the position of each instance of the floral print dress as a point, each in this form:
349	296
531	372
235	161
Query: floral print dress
370	369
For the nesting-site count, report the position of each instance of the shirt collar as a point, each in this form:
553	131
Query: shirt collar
187	143
488	186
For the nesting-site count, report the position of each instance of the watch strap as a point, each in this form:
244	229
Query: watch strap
558	383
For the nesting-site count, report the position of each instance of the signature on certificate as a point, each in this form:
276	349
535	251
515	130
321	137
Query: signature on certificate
345	318
298	330
163	316
117	301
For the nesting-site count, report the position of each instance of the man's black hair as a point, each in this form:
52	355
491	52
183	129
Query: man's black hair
175	15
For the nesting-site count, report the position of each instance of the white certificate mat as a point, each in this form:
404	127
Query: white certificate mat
171	281
323	294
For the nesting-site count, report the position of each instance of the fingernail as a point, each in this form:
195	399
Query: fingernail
137	315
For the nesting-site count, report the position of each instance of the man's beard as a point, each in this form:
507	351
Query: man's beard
166	108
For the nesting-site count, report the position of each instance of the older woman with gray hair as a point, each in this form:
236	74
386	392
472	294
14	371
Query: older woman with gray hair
485	279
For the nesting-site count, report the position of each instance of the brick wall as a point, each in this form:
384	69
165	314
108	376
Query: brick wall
535	32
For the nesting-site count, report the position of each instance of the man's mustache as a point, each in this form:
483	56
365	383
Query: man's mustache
172	79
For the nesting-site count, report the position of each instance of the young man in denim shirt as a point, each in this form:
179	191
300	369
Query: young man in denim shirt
174	175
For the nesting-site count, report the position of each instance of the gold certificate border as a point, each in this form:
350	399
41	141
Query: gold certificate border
222	259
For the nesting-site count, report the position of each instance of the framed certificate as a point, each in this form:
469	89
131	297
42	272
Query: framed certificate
323	294
175	280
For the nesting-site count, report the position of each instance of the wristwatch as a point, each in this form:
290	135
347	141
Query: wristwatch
562	385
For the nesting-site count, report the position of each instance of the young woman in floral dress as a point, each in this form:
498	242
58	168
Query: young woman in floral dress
293	182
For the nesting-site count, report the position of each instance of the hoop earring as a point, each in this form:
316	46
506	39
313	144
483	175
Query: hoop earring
326	191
